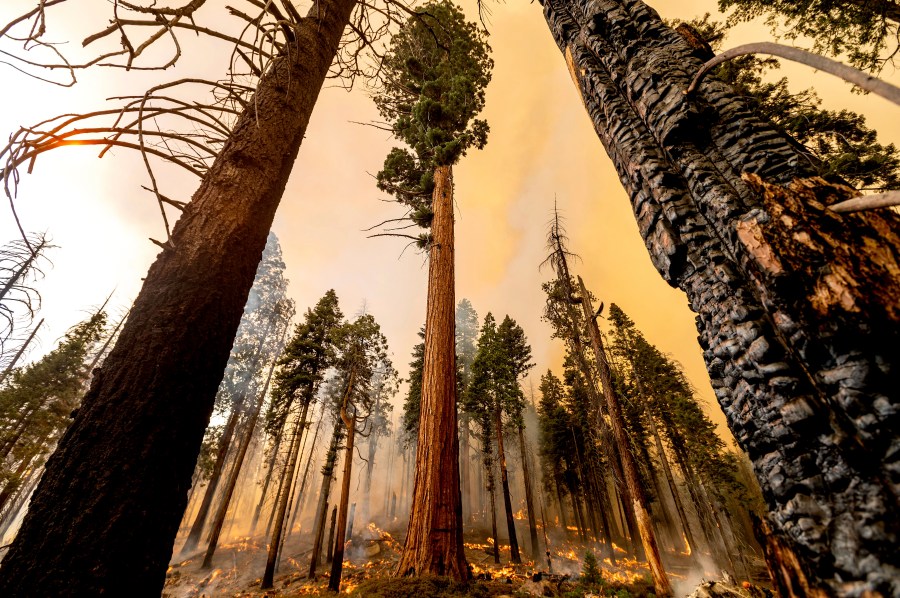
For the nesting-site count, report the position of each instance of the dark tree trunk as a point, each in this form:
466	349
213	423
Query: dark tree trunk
514	555
492	490
281	508
529	499
330	555
123	468
688	538
337	563
324	491
796	305
193	539
434	543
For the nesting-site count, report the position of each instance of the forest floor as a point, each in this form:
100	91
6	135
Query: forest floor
369	567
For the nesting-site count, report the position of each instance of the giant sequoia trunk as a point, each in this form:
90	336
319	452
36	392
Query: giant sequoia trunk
123	469
796	306
434	537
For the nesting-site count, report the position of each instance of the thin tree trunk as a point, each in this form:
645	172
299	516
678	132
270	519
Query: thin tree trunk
309	459
324	491
265	488
632	478
18	355
529	499
330	556
515	557
337	563
250	427
434	540
464	481
292	446
141	423
492	490
673	489
281	507
193	539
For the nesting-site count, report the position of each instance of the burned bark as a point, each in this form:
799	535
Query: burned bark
796	306
434	542
514	555
124	467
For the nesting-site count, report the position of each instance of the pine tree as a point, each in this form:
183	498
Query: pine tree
363	361
302	369
435	72
840	145
864	30
37	404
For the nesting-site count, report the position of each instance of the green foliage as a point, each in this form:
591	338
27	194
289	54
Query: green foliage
36	404
866	32
590	570
306	358
840	142
413	402
434	77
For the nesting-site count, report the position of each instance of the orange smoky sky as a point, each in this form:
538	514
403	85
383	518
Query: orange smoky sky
541	149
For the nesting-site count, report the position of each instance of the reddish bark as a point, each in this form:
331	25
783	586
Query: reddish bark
434	537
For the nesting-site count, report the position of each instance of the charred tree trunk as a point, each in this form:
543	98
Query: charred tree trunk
337	563
330	556
193	539
529	499
514	555
324	491
492	490
283	498
629	466
796	304
123	468
434	544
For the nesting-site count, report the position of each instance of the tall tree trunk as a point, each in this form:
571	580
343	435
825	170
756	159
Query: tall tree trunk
492	490
324	491
219	519
434	541
268	480
529	499
629	466
281	508
464	481
688	538
123	468
797	311
292	447
330	556
515	557
340	538
193	539
309	459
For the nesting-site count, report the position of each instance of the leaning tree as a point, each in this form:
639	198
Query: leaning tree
123	468
435	73
796	304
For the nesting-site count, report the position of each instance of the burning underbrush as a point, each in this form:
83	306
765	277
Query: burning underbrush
372	557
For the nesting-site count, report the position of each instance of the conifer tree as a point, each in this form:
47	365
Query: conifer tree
37	403
302	368
435	73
